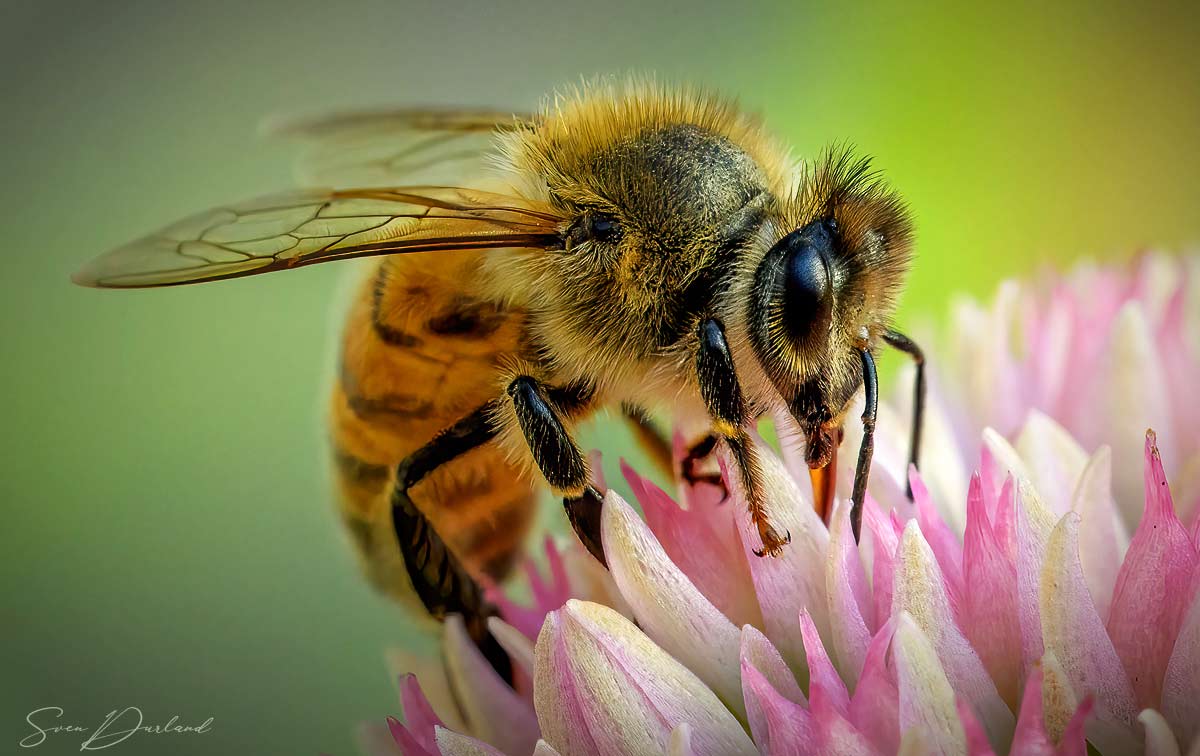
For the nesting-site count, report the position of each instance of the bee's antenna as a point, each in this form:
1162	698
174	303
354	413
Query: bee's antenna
867	449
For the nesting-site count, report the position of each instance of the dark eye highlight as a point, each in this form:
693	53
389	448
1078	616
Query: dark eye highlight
603	227
806	284
796	285
593	227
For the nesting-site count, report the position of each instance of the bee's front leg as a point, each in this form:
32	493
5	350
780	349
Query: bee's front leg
557	455
727	407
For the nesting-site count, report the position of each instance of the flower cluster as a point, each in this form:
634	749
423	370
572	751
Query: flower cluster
1059	607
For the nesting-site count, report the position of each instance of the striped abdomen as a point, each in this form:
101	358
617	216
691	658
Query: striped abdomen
419	352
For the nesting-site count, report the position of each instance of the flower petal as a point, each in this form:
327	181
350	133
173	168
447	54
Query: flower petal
1031	736
1181	683
821	673
947	479
921	592
601	686
1053	459
1034	523
547	594
376	739
430	669
494	711
851	611
514	642
451	743
416	737
1102	535
989	608
1159	739
945	544
977	741
779	725
758	652
1073	741
1154	586
925	695
590	580
875	705
835	734
544	749
407	740
1073	631
669	608
1059	702
1129	384
681	741
703	542
794	580
885	539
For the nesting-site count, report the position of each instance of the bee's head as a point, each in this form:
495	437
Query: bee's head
827	289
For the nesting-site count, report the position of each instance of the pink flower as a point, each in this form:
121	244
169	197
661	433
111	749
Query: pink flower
1039	601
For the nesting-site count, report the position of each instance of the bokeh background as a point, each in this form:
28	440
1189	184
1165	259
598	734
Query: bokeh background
166	537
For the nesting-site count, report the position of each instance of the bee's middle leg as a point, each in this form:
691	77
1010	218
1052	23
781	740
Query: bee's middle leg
727	408
556	454
659	449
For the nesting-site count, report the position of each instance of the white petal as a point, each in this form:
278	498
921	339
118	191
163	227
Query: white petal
849	598
1159	739
1181	684
589	580
943	465
1102	535
544	749
794	580
926	697
1059	701
494	711
1034	524
601	686
669	608
1053	459
1007	458
451	743
1073	631
681	741
514	642
758	651
921	592
1127	394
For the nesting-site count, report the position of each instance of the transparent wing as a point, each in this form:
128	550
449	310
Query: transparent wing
313	226
396	147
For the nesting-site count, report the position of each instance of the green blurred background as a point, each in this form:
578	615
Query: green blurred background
167	540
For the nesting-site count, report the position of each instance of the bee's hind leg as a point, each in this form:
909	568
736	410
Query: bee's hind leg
438	577
556	454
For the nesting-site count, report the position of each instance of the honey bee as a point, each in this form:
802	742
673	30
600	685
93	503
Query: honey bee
631	245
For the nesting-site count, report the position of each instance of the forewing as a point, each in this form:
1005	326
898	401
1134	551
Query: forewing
307	227
396	147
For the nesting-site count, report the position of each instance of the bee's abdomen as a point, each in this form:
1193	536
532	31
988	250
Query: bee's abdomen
419	352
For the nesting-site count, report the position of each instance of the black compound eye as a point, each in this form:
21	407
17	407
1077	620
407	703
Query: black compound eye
807	295
592	227
603	227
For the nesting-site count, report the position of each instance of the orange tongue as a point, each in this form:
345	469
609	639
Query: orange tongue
823	480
